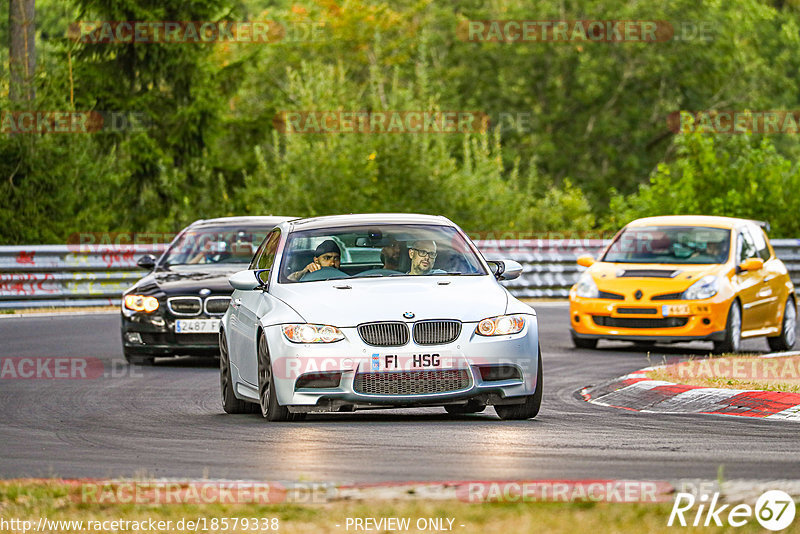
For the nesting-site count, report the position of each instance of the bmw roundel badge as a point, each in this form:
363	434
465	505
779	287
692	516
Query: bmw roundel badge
408	315
205	292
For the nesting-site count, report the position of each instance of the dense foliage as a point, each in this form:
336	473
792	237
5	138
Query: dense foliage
578	140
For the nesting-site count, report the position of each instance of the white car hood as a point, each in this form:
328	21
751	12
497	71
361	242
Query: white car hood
466	298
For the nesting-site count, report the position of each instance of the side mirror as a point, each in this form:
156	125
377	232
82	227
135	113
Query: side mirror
148	261
751	264
505	269
245	280
585	261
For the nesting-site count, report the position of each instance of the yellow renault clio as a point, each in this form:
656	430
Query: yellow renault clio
685	278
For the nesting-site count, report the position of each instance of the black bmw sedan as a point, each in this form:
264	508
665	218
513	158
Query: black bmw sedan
176	309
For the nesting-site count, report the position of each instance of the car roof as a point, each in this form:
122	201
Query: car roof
332	221
247	220
693	220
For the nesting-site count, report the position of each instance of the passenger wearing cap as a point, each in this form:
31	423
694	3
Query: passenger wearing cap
327	254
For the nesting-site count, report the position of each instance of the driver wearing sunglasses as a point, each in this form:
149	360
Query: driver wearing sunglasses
423	256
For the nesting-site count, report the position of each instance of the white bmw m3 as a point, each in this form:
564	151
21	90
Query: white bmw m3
351	312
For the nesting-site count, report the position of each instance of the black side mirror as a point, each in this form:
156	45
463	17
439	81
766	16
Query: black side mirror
148	261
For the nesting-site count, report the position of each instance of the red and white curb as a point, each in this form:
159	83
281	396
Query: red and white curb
638	393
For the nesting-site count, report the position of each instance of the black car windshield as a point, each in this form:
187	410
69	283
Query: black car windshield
377	251
215	245
670	244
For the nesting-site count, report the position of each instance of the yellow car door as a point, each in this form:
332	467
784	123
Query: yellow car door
750	285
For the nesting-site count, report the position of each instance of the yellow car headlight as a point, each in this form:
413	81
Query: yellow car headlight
312	333
501	326
141	303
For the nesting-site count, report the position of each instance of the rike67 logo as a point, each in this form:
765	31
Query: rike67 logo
774	510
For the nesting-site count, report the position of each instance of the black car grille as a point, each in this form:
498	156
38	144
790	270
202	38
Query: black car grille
609	295
185	306
411	382
217	305
631	322
637	311
647	273
668	296
384	334
436	332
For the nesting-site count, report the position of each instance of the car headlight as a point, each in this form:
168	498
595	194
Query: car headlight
704	288
141	303
586	287
312	333
501	326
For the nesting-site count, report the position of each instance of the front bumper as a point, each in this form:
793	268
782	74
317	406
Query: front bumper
495	370
154	335
665	321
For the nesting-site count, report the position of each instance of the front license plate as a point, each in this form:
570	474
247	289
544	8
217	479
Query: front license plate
406	362
675	309
197	326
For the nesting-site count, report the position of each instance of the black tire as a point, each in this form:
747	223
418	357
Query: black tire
528	409
268	399
583	343
229	401
733	331
787	337
137	359
471	406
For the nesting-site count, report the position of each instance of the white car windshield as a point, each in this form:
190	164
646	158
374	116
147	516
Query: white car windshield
670	244
377	251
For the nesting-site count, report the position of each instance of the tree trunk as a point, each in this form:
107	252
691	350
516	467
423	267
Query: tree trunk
22	51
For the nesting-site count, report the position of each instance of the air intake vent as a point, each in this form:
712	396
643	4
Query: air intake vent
185	306
634	322
217	305
393	334
436	332
647	273
668	296
411	382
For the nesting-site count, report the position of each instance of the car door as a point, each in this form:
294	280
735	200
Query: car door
774	288
250	306
749	284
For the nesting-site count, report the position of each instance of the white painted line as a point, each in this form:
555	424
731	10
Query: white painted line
57	314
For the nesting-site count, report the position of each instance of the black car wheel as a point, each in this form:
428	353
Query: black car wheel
786	339
268	398
733	331
529	408
582	343
137	359
229	401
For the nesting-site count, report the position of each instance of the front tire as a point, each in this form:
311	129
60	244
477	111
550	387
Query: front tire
528	409
733	331
583	343
267	396
229	401
786	339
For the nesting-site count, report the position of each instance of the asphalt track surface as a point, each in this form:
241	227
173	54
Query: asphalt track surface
166	421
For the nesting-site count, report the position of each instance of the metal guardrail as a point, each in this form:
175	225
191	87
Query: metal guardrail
96	275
